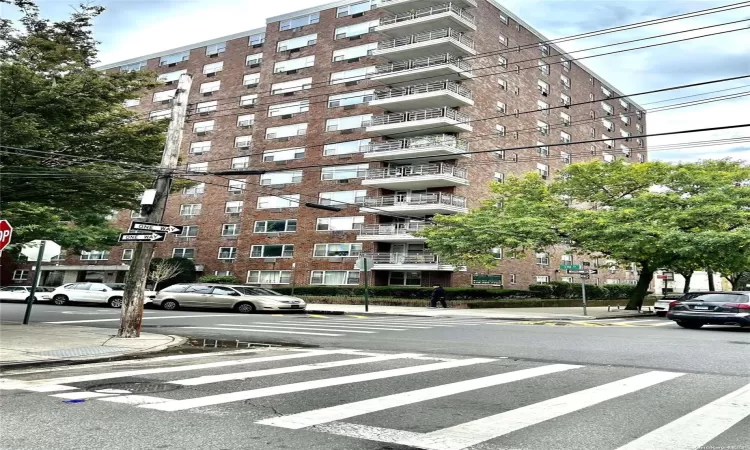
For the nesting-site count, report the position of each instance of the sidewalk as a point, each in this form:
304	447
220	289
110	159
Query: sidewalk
562	313
40	343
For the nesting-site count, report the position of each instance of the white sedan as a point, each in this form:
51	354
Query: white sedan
109	293
22	293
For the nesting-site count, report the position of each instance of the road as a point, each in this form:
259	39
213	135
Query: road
375	382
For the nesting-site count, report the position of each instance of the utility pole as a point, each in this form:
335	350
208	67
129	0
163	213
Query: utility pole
135	285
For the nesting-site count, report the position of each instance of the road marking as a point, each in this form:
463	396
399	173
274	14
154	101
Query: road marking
113	391
294	327
317	316
80	395
339	412
135	399
358	431
358	317
292	369
50	388
662	324
145	318
477	431
178	405
356	324
353	326
696	429
258	330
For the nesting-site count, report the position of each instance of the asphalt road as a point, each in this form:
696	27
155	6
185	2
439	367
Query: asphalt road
402	383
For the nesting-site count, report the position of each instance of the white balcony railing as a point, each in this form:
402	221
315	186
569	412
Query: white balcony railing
403	258
428	61
416	170
426	37
438	140
425	12
422	89
429	198
395	229
422	114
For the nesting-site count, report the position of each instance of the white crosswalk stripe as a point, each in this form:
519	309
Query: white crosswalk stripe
295	327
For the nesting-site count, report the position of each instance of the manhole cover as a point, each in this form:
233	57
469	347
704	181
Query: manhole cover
138	387
82	351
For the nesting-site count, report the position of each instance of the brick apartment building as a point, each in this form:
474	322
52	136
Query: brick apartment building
390	95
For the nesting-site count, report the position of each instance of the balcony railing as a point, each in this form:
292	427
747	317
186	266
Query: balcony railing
422	114
438	140
422	89
412	15
428	61
403	258
396	229
430	198
417	170
386	3
426	37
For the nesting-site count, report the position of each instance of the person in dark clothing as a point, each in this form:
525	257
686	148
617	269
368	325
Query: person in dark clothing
438	295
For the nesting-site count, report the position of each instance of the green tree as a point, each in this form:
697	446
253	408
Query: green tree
219	279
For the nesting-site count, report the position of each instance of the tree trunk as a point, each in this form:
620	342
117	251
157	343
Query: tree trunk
687	277
711	286
131	313
641	289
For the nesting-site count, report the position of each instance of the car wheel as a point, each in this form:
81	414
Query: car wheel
690	325
661	313
245	308
59	299
169	305
115	302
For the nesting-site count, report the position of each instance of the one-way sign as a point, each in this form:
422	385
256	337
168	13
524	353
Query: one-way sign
142	237
583	272
159	228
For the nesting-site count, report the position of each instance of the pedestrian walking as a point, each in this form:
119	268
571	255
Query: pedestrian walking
438	295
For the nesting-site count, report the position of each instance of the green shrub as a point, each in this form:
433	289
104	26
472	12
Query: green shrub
541	290
219	279
563	290
415	293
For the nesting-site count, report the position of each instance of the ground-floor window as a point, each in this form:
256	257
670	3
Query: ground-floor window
20	275
405	278
335	277
542	279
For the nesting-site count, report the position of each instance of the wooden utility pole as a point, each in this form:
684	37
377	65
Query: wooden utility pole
135	285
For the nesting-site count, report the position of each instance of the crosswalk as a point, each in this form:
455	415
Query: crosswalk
620	322
394	398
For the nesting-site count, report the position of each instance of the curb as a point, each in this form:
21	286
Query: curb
459	316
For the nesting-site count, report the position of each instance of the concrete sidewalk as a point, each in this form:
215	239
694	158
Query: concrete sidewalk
44	343
560	313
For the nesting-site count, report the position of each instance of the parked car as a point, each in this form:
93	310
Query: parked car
717	308
22	293
243	299
662	305
109	293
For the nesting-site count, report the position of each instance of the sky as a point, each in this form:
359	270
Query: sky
130	28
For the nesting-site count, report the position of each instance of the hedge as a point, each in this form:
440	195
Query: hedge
561	289
219	279
405	292
470	304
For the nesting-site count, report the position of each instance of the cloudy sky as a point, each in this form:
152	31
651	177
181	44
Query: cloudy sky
130	28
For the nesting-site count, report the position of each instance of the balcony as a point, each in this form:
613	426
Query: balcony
407	261
435	147
448	15
425	204
392	232
422	176
426	95
401	6
413	123
445	66
445	40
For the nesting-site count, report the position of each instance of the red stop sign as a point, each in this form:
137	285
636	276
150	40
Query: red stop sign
6	232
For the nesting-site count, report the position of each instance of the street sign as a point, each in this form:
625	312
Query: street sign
486	279
6	233
570	267
586	264
583	272
157	227
142	237
360	264
585	277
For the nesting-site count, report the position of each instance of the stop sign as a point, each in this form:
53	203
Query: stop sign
6	232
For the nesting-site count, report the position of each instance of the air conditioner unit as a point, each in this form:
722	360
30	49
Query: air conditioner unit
251	85
211	74
352	60
248	105
245	124
258	45
243	147
287	116
201	133
351	83
354	38
295	50
291	72
343	181
288	94
213	55
171	64
253	65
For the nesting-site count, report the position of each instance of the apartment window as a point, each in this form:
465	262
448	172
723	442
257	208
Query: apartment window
625	150
503	40
204	107
127	255
544	48
354	8
565	119
132	102
500	155
203	127
164	96
347	123
564	99
350	98
294	64
499	177
269	277
133	67
502	84
639	127
608	141
501	107
593	132
639	114
299	22
161	114
248	100
223	273
95	255
233	207
542	127
624	133
405	278
190	210
607	93
543	67
174	58
256	39
565	157
344	172
504	19
625	105
565	81
337	250
566	279
298	42
348	76
543	87
187	253
625	119
567	259
211	86
565	64
291	86
215	49
189	231
497	253
543	107
171	77
542	149
254	60
246	120
500	130
272	201
513	278
339	223
502	62
20	275
359	51
608	108
541	279
288	154
608	157
639	141
201	167
334	277
641	158
272	251
342	198
196	189
236	186
299	129
227	253
213	68
355	30
283	177
289	109
241	162
543	170
345	148
251	80
276	226
565	137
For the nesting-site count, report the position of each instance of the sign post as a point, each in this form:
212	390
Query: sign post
365	264
583	294
585	274
34	284
143	236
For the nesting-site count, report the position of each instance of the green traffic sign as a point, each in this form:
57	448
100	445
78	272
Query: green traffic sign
570	267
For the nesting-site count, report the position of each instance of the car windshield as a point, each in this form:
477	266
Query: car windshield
247	290
116	286
721	298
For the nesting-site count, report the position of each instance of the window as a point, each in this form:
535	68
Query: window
348	76
611	281
256	39
132	102
161	114
501	107
288	154
334	277
541	279
284	177
497	253
625	119
198	167
625	105
337	250
641	158
227	253
251	80
500	130
544	48
233	207
215	49
625	150
190	210
241	162
272	201
503	40
188	253
607	93
608	108
164	96
513	278
269	276
254	60
95	255
174	58
543	107
299	129
359	51
504	19
276	226
20	275
350	98
236	186
565	157
565	119
543	67
299	22
272	251
608	141
347	123
565	64
287	109
223	273
591	97
564	99
245	120
202	127
127	255
341	198
542	149
639	141
171	77
543	170
565	137
211	86
567	259
294	64
298	42
593	132
206	106
344	172
291	86
355	30
502	84
133	67
248	100
405	278
608	157
542	127
624	133
639	114
213	68
543	87
339	223
502	62
195	189
189	231
639	127
354	8
566	279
